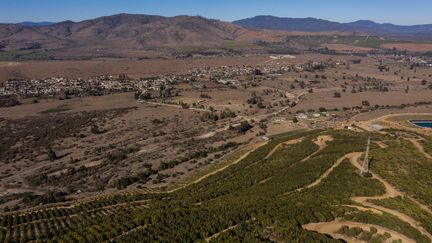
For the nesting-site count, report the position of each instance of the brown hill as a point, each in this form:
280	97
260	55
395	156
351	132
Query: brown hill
129	32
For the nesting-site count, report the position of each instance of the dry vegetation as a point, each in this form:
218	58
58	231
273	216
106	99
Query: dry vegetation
57	150
227	133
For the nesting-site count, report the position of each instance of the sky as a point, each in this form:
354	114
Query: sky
404	12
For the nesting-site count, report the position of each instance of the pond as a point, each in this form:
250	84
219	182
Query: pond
422	123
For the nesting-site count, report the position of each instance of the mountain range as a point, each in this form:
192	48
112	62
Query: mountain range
320	25
128	31
35	24
136	33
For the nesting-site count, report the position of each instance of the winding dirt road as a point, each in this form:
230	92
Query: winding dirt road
321	141
332	228
390	192
277	147
328	172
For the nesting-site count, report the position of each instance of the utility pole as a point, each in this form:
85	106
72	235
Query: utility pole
366	158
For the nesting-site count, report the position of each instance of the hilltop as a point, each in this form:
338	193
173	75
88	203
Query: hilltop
149	36
320	25
128	32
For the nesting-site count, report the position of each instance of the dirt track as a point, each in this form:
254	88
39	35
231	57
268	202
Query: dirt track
327	173
253	148
381	144
290	142
420	148
390	193
208	239
364	209
332	227
321	141
386	122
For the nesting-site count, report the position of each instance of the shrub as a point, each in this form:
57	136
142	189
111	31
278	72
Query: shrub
51	154
244	127
322	109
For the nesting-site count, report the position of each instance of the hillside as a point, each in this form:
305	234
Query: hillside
320	25
136	35
316	194
128	32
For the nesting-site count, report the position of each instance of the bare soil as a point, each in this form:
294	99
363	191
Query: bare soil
134	68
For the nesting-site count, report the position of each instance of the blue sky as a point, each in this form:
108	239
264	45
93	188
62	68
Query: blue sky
383	11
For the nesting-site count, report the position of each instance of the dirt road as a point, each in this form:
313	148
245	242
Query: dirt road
390	192
290	142
321	141
328	172
251	149
419	147
331	228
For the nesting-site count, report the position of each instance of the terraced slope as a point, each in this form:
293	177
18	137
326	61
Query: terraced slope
301	186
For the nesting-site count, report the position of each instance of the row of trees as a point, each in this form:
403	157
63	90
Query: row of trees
254	200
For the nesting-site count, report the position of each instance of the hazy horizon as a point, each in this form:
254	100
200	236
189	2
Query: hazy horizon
396	12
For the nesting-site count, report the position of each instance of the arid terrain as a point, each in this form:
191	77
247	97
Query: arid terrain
221	104
134	68
114	130
419	47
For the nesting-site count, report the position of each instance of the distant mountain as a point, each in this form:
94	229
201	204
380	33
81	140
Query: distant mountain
150	35
320	25
128	32
289	24
35	24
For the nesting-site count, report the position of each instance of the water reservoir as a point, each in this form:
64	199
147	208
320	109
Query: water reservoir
422	123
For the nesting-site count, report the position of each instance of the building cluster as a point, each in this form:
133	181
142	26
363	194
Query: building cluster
226	74
101	85
413	60
419	61
145	88
50	87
